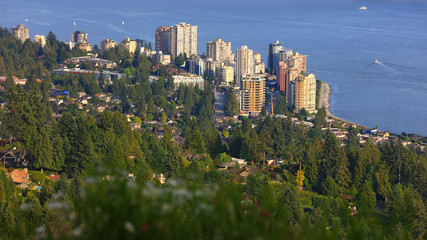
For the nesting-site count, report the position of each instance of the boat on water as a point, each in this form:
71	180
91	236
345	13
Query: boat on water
26	20
74	24
123	22
377	62
363	8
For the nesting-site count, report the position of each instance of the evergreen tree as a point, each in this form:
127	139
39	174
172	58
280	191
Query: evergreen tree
43	151
231	104
281	106
383	184
2	193
236	142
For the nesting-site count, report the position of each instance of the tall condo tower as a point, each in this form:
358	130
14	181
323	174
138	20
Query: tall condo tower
273	55
183	40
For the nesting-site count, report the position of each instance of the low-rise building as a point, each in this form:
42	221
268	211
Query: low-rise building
160	177
93	60
188	79
20	178
162	58
108	76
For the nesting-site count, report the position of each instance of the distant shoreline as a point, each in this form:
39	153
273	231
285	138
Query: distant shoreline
325	95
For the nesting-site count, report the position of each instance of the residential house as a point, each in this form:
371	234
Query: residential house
13	158
20	178
160	177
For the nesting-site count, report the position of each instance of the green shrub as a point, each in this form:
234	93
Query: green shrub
37	177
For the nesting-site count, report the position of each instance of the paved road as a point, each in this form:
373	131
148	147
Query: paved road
219	102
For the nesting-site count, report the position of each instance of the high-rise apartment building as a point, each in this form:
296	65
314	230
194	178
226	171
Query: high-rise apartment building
40	39
129	45
252	95
281	70
291	74
219	50
259	64
248	63
285	56
21	32
79	37
107	44
303	92
183	40
273	55
299	62
163	39
245	63
226	74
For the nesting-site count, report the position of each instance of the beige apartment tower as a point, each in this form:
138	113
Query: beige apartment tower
303	93
252	96
245	63
129	45
226	74
21	32
299	62
107	44
183	39
40	39
219	50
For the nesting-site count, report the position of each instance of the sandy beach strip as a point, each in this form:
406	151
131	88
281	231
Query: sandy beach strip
325	94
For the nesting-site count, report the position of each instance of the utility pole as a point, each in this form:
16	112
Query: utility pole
271	103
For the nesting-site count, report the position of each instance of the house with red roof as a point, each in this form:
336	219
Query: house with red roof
20	178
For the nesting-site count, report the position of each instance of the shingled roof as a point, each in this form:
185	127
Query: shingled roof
19	176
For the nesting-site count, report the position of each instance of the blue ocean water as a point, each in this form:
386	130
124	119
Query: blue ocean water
342	43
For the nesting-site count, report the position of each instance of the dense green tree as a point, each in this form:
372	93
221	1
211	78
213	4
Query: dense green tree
330	187
2	193
236	143
383	184
281	106
231	104
366	197
291	204
43	151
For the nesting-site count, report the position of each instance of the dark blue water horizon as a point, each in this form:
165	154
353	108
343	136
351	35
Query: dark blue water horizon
342	43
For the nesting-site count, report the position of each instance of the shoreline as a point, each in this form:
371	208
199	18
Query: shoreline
324	101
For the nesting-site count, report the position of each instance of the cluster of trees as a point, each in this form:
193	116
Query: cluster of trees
231	104
386	181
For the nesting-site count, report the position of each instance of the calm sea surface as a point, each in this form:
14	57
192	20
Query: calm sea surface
341	41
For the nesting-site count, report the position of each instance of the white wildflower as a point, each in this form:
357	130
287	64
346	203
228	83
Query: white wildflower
77	232
129	227
58	195
40	232
166	208
172	182
90	180
26	206
56	205
131	185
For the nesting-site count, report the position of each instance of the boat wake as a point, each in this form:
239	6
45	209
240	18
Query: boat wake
386	66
